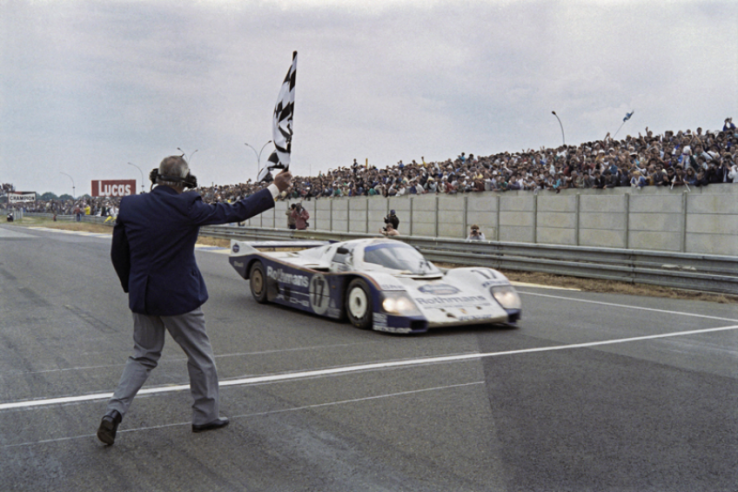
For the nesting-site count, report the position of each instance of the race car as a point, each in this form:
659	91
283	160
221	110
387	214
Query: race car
381	284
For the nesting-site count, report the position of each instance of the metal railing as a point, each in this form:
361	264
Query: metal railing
710	273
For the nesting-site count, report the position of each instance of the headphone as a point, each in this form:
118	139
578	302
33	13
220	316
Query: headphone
189	181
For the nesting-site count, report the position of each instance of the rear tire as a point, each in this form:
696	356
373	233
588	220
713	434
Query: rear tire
258	282
359	304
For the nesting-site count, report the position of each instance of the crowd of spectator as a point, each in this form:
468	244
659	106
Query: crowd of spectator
683	159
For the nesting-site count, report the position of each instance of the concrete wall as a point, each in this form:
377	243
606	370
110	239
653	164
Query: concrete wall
703	220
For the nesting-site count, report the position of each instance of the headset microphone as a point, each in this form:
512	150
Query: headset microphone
189	181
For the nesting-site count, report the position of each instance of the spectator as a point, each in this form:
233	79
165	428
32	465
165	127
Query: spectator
392	218
690	177
475	234
301	217
637	180
734	173
290	218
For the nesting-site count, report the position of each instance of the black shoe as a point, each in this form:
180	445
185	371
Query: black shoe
108	428
215	424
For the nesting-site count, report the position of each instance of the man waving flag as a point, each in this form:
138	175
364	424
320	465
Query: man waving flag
282	125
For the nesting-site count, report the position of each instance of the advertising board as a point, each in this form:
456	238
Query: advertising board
113	187
21	196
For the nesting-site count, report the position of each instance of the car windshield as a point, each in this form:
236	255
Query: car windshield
398	256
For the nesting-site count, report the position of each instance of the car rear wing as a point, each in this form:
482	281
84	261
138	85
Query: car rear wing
241	248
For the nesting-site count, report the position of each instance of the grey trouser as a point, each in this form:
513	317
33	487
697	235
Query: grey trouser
188	330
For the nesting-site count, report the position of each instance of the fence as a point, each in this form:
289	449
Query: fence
701	221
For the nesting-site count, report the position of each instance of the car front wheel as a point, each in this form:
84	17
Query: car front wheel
359	304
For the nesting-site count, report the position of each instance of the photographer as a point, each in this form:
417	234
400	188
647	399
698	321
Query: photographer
475	234
392	219
153	253
300	216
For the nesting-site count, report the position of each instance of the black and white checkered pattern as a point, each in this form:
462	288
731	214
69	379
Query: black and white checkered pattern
282	125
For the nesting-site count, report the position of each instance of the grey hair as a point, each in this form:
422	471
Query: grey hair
174	166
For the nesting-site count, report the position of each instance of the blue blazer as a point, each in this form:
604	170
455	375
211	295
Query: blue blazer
153	248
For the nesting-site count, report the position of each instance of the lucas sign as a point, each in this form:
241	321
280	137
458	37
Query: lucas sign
113	187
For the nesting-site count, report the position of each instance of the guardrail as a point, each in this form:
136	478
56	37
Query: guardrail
90	219
710	273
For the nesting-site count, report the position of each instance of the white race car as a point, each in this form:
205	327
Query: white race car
381	284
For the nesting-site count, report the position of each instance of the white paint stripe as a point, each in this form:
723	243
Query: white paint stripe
256	414
680	313
539	286
362	367
79	233
180	359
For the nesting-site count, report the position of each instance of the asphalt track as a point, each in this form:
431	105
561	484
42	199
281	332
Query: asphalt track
593	392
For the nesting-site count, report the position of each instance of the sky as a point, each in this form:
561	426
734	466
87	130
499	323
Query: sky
87	87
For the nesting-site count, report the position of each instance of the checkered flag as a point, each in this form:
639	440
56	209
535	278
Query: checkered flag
282	125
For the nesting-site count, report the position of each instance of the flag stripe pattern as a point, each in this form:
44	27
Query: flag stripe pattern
282	124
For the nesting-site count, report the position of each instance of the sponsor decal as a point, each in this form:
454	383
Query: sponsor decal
287	297
379	321
287	278
238	264
392	329
299	302
493	282
388	286
442	301
439	289
236	248
473	318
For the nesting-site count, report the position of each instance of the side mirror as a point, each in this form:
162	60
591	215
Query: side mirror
342	251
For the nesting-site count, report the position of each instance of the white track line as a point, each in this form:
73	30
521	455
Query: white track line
694	315
181	359
541	286
256	414
356	368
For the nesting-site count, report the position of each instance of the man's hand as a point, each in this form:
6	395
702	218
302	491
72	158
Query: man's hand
283	180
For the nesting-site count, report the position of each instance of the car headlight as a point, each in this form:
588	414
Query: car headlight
399	303
507	296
